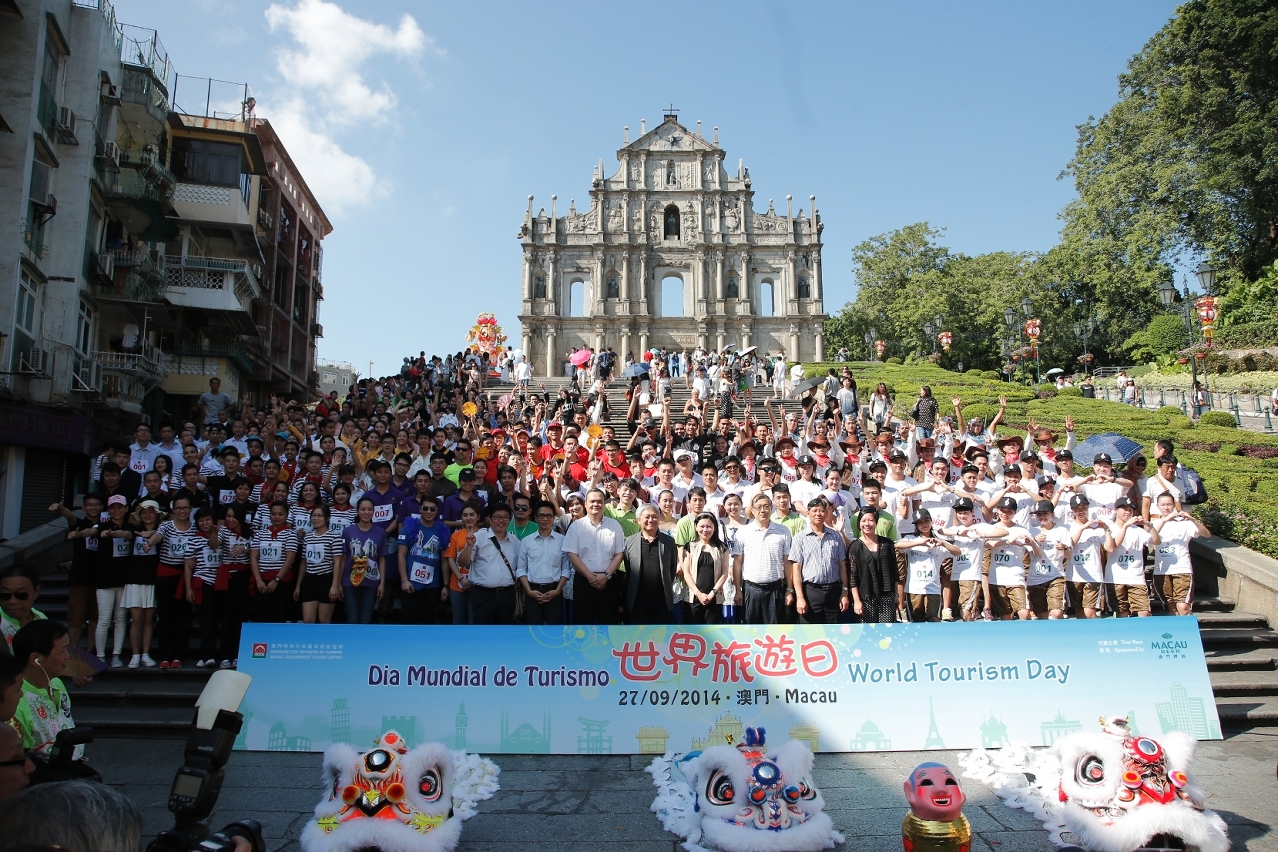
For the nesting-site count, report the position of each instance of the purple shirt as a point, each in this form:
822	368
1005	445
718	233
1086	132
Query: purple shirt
363	551
385	509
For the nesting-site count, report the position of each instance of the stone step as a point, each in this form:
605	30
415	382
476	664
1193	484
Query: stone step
136	722
1214	620
1235	660
1213	605
1232	637
142	698
1239	683
120	678
1245	711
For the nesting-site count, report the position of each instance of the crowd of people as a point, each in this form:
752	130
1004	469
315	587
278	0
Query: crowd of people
425	498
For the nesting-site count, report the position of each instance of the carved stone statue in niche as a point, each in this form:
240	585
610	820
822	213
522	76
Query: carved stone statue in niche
614	287
805	289
654	221
636	174
730	288
672	174
731	216
539	286
615	218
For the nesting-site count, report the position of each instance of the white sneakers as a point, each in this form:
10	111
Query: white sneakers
116	662
147	661
135	661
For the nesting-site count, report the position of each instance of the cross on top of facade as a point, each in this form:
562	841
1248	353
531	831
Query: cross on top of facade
672	112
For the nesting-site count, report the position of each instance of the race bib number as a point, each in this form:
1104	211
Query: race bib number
924	574
212	557
1126	559
337	525
1167	550
140	465
1084	557
315	554
139	547
91	544
1002	557
423	573
225	497
962	559
384	513
120	547
271	551
177	547
1042	568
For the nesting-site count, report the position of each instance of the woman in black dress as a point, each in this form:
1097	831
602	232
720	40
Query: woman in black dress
874	577
704	564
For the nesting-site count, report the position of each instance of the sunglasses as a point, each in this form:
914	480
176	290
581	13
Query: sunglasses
22	596
17	761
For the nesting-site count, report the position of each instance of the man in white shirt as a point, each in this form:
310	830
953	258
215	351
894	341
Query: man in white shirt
491	561
543	570
762	566
594	546
142	452
1162	482
1125	588
1102	489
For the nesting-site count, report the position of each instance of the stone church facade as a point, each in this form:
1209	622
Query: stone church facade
671	211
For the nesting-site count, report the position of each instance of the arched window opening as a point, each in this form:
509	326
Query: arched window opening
577	299
671	297
672	222
765	298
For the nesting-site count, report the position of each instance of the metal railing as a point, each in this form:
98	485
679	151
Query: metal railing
141	88
210	98
141	48
108	12
211	273
146	364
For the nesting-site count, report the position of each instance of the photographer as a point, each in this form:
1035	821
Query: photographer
75	816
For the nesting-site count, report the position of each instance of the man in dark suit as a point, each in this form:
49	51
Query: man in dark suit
651	560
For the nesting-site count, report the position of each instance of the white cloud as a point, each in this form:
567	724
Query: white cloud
332	47
324	92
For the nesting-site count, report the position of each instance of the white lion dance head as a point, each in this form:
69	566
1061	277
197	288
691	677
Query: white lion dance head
389	798
754	800
1122	792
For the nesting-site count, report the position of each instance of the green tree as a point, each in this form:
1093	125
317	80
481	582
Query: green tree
1187	161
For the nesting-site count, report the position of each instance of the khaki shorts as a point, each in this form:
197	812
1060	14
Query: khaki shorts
1127	600
1176	588
1084	595
1047	597
970	596
1007	600
924	607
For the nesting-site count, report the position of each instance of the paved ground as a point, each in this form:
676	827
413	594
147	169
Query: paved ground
576	804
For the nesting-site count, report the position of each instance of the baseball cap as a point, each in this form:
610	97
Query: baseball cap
1124	503
146	504
554	426
1044	507
1079	500
1027	458
922	515
896	454
1102	458
466	473
807	460
1064	455
1007	503
649	423
117	500
963	504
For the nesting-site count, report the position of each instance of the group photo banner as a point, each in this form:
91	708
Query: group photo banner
651	690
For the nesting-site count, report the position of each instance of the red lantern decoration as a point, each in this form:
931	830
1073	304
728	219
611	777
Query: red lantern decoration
946	339
1207	312
879	346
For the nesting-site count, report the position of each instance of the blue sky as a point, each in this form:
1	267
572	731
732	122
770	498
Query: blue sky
423	127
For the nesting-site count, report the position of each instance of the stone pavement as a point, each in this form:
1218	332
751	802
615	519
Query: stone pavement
580	803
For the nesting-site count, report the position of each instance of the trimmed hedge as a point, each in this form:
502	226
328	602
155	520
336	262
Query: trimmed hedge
1217	418
1239	468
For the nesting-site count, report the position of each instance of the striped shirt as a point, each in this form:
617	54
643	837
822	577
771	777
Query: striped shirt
273	547
319	550
764	552
174	543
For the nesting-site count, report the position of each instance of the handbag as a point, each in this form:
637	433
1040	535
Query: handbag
519	593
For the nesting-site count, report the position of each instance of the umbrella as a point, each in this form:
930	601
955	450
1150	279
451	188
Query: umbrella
581	356
635	370
1053	371
747	350
805	386
1119	447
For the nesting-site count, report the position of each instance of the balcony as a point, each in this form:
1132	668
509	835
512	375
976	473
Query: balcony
199	202
131	275
211	283
127	377
141	96
139	182
203	360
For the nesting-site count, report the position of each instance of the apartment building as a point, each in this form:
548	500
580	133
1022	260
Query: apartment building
155	234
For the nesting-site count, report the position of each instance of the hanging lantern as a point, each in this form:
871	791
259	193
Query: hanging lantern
879	346
1206	307
946	339
1033	328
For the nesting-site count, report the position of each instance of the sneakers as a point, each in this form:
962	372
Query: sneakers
164	664
134	661
175	664
947	614
226	664
147	661
116	662
204	664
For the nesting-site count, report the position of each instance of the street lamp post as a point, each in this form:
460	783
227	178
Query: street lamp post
929	330
871	337
1083	331
1032	329
1167	295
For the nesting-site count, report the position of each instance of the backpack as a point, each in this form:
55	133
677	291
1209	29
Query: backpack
1195	491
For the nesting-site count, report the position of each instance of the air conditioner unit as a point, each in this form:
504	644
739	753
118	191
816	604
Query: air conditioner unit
264	219
86	376
106	265
37	362
317	330
66	126
257	271
109	159
110	94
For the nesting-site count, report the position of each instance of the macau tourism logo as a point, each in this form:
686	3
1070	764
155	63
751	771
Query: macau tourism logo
1168	647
